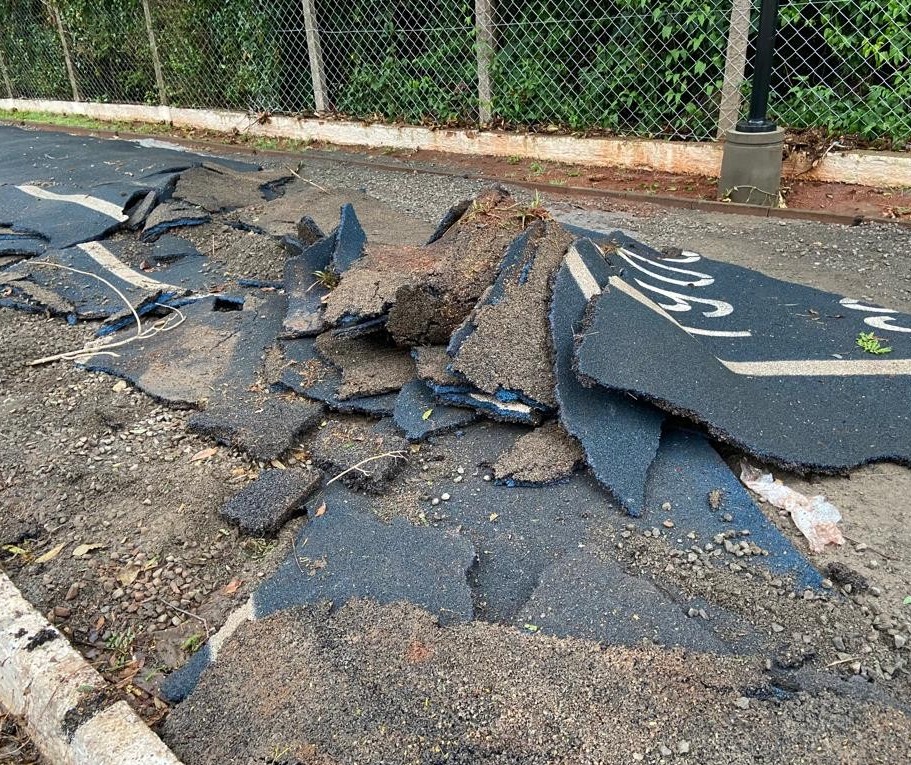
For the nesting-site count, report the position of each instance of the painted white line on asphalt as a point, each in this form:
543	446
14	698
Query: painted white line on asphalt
108	260
234	620
628	289
42	678
583	277
820	368
83	200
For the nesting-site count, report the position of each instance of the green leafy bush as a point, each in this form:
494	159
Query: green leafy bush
641	67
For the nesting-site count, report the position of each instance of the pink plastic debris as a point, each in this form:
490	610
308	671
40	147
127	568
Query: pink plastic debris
815	517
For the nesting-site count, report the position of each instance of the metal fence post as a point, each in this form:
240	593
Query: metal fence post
7	82
734	66
156	60
484	46
68	60
315	51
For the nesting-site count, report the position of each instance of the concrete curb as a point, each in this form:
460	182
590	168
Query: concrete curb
61	700
864	168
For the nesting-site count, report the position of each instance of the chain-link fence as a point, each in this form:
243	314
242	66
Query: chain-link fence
666	68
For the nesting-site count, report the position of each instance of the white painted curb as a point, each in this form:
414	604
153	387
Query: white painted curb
864	168
41	684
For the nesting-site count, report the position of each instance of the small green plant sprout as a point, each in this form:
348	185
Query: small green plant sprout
193	643
513	159
328	279
872	344
536	168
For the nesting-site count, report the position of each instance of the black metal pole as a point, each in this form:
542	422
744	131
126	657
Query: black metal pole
758	122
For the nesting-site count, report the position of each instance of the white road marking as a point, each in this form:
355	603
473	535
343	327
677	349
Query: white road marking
83	200
699	279
243	614
583	277
820	367
107	260
628	289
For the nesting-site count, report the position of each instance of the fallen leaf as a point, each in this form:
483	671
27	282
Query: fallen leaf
231	587
127	575
50	554
120	385
203	454
426	415
532	627
320	510
278	465
85	549
494	516
907	600
14	550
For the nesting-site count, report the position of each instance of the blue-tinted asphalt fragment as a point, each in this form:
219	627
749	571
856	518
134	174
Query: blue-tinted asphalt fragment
504	411
414	401
305	289
772	367
690	475
585	596
350	240
310	376
346	553
25	244
619	435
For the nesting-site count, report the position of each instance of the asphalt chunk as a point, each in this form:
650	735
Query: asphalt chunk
775	368
584	596
345	554
172	215
508	345
370	364
545	455
420	415
619	435
467	257
263	428
365	458
263	506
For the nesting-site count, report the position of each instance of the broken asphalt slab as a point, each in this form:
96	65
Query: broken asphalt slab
264	428
218	188
265	504
213	356
306	373
370	365
419	415
571	596
619	435
690	486
80	192
364	457
772	367
505	347
545	455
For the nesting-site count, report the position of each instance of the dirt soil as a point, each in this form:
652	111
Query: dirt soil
110	526
387	684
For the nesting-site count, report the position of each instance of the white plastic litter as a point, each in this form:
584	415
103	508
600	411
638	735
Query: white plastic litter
815	517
